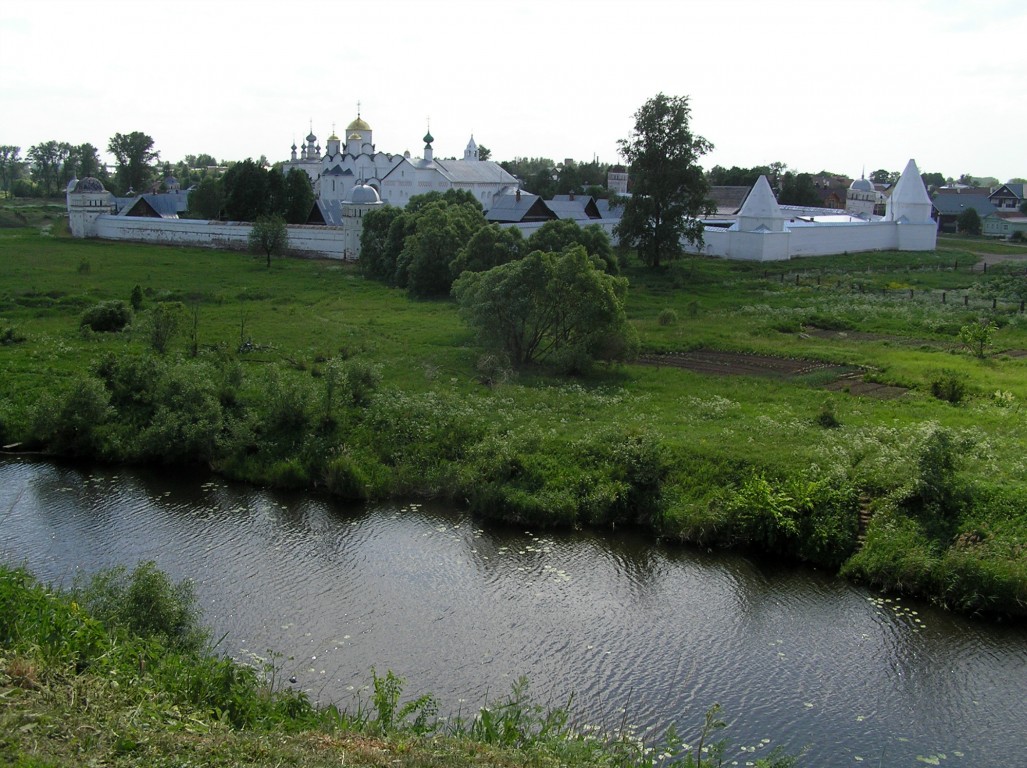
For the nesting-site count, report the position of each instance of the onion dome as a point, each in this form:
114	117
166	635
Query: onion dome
862	185
89	184
428	138
363	194
358	125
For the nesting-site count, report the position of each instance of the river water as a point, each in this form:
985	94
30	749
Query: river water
640	634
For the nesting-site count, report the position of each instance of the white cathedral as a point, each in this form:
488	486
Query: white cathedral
354	167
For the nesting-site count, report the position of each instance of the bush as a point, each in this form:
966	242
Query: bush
667	317
162	325
826	417
950	386
11	335
71	424
146	603
976	337
107	316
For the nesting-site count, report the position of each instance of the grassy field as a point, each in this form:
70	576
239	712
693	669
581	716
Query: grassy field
782	463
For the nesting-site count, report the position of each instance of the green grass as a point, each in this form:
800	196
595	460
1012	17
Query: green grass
538	447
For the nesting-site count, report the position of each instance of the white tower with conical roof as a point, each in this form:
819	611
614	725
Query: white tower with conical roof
760	210
909	202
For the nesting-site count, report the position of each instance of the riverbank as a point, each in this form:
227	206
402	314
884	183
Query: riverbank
306	375
118	672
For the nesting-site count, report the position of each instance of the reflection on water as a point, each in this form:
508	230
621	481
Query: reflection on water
639	632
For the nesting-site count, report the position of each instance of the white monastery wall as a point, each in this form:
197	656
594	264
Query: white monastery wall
817	240
305	239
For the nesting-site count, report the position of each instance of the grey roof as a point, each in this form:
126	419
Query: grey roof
331	211
514	208
337	170
474	172
164	206
608	211
949	205
1015	189
728	199
579	209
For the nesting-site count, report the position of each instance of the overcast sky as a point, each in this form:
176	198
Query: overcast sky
815	85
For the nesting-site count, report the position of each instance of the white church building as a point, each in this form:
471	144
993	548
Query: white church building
396	178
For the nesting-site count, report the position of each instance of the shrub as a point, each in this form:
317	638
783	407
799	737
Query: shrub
950	386
362	379
71	424
145	602
11	335
667	317
494	369
107	316
163	324
826	417
977	336
137	298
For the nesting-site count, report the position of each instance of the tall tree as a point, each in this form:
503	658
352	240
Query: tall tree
798	189
549	306
208	199
246	191
10	164
89	162
47	161
669	192
136	159
969	222
298	197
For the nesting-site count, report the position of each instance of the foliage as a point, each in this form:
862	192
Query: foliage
489	247
107	316
10	165
377	253
798	189
421	711
69	423
246	191
557	236
270	236
47	160
977	336
667	316
162	324
669	192
951	386
298	197
208	199
969	222
136	160
546	306
146	603
440	230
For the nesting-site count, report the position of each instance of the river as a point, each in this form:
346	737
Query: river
639	633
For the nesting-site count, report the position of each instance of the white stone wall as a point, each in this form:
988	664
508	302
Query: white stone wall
818	240
312	240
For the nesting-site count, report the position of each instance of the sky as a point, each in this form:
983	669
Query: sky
842	87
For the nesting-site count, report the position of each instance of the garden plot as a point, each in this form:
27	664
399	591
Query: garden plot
841	378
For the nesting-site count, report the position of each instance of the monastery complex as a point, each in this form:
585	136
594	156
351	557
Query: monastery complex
352	177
